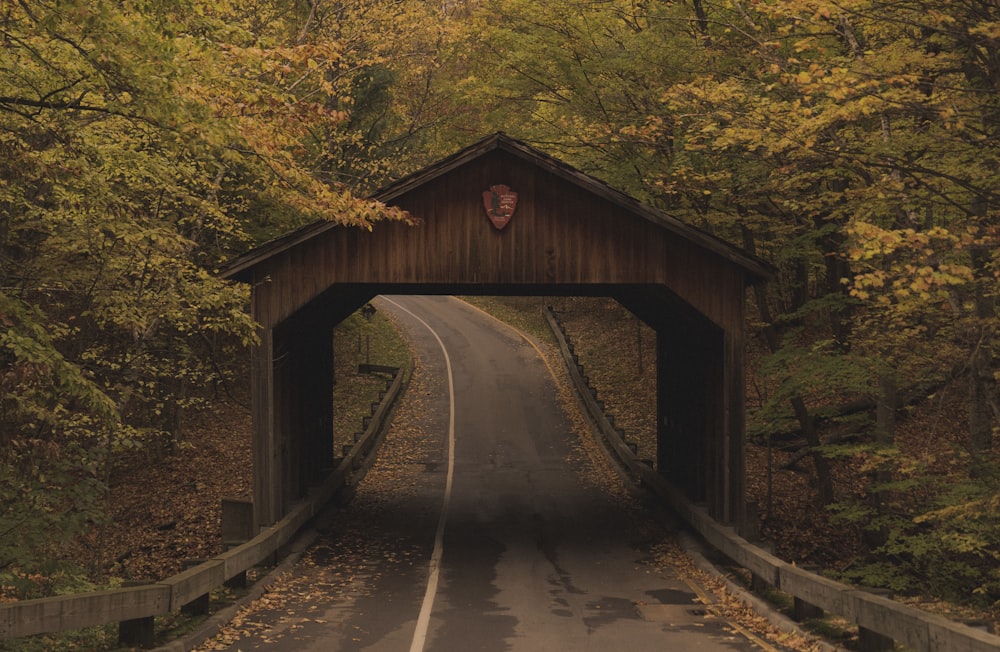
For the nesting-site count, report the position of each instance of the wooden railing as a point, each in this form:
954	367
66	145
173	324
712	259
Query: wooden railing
70	612
879	620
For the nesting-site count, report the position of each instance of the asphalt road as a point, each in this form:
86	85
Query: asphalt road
488	524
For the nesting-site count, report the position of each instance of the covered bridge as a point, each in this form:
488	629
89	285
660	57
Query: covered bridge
501	218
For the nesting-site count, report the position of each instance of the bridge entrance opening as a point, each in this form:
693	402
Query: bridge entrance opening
612	350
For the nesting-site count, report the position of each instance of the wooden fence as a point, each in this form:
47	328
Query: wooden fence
880	620
70	612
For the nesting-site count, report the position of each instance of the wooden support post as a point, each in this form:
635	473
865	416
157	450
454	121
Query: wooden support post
198	606
266	448
869	641
872	641
662	410
237	528
802	610
137	632
734	422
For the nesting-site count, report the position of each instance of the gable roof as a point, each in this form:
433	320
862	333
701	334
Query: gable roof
756	269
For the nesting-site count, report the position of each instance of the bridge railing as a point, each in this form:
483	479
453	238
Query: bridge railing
887	619
71	612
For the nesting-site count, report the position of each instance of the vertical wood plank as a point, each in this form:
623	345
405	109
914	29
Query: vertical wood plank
262	396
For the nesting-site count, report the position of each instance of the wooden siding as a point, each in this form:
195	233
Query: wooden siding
557	236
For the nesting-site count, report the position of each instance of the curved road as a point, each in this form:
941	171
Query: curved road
487	524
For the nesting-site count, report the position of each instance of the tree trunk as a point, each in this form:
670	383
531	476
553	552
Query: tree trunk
807	422
885	434
885	409
699	12
982	384
824	478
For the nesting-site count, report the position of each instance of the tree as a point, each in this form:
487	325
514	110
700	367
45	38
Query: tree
141	144
852	145
810	131
584	80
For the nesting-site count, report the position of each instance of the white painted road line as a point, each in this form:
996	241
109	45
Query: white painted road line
423	621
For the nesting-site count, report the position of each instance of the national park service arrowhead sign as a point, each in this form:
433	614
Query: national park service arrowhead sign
499	202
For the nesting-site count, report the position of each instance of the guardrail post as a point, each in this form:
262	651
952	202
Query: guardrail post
198	606
137	632
869	641
802	610
758	582
751	530
237	529
872	641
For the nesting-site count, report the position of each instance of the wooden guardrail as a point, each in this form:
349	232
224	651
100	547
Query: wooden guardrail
873	614
70	612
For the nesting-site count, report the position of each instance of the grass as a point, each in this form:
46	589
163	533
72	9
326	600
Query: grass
523	313
361	340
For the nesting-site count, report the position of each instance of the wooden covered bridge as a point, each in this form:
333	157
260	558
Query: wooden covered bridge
501	218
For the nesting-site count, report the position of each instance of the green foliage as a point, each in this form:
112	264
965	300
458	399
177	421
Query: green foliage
818	371
51	492
940	532
142	144
395	99
103	638
584	80
855	147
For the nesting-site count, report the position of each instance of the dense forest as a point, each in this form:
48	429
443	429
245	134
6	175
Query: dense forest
853	144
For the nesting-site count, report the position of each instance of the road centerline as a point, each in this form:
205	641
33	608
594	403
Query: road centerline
427	606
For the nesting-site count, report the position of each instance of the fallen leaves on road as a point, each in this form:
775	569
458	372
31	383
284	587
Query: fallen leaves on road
364	542
713	592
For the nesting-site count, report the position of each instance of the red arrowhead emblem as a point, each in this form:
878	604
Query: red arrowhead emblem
499	202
